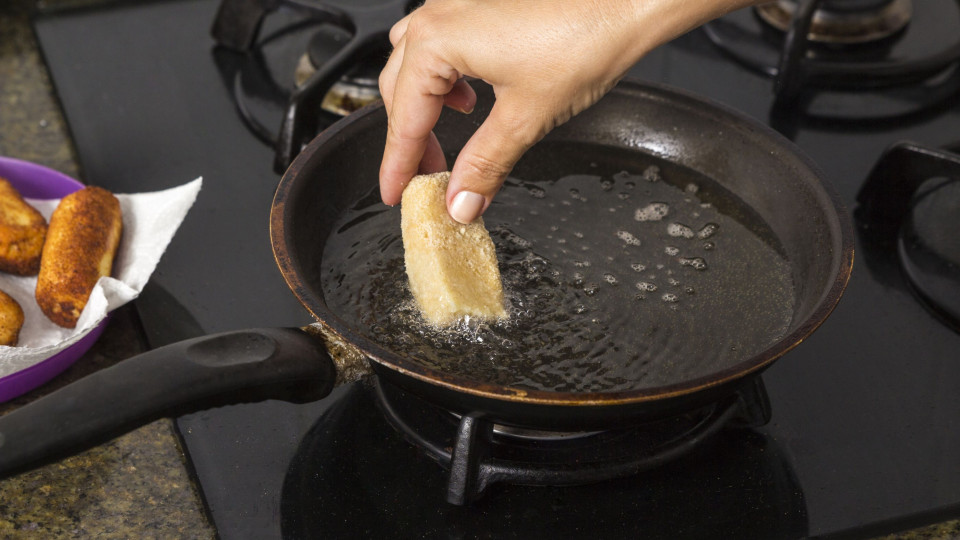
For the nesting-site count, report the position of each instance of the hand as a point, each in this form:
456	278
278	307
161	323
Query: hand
547	60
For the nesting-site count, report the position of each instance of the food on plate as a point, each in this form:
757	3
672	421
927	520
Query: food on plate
81	244
22	230
451	267
11	320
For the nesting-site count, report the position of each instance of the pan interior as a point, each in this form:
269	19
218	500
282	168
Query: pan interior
769	187
622	271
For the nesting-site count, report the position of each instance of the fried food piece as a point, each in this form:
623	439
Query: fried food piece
11	320
81	243
452	268
22	231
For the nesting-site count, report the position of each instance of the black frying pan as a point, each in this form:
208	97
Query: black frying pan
340	167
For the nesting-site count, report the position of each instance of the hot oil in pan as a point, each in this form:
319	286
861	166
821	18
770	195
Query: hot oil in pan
614	280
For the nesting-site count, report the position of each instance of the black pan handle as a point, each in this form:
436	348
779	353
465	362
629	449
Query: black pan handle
233	367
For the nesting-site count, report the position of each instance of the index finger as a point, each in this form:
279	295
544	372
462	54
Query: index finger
416	105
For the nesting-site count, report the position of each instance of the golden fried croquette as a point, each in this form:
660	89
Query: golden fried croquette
11	320
81	244
452	268
22	232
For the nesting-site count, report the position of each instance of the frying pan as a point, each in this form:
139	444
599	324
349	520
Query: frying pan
340	166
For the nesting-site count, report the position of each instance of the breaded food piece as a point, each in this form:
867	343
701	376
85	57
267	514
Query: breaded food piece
22	231
11	320
452	267
82	241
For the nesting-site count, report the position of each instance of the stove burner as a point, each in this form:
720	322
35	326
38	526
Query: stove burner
358	87
478	453
360	28
846	23
353	474
910	203
896	72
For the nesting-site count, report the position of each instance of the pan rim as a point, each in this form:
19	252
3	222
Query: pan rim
841	269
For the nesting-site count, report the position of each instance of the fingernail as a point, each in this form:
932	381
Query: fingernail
466	206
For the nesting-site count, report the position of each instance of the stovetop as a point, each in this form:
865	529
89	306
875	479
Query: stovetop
865	425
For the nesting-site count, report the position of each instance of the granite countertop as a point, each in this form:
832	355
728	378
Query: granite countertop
138	485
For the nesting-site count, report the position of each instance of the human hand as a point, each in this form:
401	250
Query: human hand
547	60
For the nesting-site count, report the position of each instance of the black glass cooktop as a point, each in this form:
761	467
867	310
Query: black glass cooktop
865	425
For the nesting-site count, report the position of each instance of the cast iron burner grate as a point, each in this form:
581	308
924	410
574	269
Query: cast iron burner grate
905	66
842	21
908	206
362	29
478	453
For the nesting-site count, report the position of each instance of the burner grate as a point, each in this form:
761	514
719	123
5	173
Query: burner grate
364	29
478	453
908	205
838	23
918	49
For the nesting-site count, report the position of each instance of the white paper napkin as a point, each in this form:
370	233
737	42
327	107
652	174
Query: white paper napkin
149	223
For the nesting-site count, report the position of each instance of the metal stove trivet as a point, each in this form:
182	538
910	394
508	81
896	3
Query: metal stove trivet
888	49
479	453
909	206
367	26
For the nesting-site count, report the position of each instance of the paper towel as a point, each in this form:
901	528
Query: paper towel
149	223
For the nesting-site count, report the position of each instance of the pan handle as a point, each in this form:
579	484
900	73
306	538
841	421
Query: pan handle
233	367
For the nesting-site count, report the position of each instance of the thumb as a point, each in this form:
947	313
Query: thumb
487	159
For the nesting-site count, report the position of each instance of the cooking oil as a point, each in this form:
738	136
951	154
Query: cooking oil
604	292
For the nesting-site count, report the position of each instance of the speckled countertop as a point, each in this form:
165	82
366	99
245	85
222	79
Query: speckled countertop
138	485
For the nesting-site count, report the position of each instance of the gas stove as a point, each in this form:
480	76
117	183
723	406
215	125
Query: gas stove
851	60
852	434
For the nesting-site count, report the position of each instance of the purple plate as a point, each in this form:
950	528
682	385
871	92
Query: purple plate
38	182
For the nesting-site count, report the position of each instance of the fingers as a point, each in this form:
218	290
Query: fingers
461	97
488	157
464	100
411	146
388	76
415	104
398	30
433	158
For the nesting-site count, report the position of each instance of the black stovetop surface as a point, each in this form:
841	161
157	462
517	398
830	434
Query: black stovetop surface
866	414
